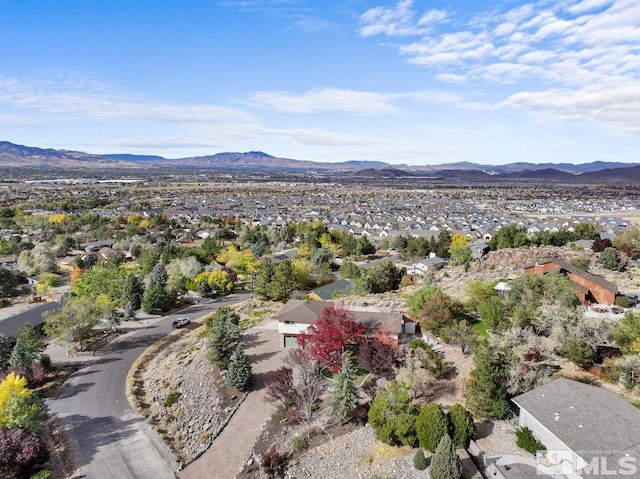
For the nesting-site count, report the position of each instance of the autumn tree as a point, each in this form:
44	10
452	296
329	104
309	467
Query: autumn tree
20	408
20	452
325	340
378	358
459	249
280	387
439	312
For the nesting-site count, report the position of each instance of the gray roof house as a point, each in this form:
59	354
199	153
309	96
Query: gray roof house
587	430
33	316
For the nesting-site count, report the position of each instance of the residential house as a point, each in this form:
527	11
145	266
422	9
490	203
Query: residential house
297	315
586	430
589	287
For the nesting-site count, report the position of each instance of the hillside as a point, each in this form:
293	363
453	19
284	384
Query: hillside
20	156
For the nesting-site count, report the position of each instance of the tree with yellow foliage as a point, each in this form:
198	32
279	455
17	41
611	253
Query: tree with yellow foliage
58	219
241	261
459	249
220	281
19	407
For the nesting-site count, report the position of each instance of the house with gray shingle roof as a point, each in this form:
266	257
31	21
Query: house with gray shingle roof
587	430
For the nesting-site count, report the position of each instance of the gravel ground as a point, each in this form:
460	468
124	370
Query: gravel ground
356	455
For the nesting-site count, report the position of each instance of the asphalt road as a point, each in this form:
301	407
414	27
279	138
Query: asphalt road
108	439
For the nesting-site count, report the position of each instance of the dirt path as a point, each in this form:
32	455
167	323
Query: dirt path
226	455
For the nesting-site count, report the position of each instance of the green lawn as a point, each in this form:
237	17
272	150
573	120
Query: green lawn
478	327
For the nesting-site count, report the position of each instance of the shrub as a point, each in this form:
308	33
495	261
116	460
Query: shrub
273	463
42	474
419	461
461	423
171	398
45	362
431	426
445	463
20	452
299	444
392	416
622	301
527	441
578	351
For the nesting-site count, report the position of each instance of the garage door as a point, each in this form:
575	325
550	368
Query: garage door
290	342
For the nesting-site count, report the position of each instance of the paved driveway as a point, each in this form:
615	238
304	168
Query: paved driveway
229	450
108	440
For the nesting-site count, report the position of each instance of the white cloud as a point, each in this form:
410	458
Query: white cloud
580	55
327	100
94	101
400	20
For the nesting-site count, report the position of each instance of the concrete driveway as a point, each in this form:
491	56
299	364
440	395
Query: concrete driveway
108	439
229	450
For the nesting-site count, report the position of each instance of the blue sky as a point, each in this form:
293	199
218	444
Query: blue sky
410	81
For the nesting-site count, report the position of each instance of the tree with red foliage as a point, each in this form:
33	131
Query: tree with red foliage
281	388
20	452
378	358
325	341
599	245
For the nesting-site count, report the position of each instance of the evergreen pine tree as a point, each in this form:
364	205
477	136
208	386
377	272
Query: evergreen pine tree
431	426
461	422
129	311
345	395
5	352
20	356
486	393
445	463
153	301
132	291
239	374
159	274
283	282
223	339
31	340
263	279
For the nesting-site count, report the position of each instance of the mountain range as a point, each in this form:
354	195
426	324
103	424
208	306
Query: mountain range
19	156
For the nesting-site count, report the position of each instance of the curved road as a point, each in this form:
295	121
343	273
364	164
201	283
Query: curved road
108	439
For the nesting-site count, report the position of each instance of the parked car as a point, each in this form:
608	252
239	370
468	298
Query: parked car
178	323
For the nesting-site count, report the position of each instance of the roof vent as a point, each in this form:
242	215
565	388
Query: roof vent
571	407
557	418
580	425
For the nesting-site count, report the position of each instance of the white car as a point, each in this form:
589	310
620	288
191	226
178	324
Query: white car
178	323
